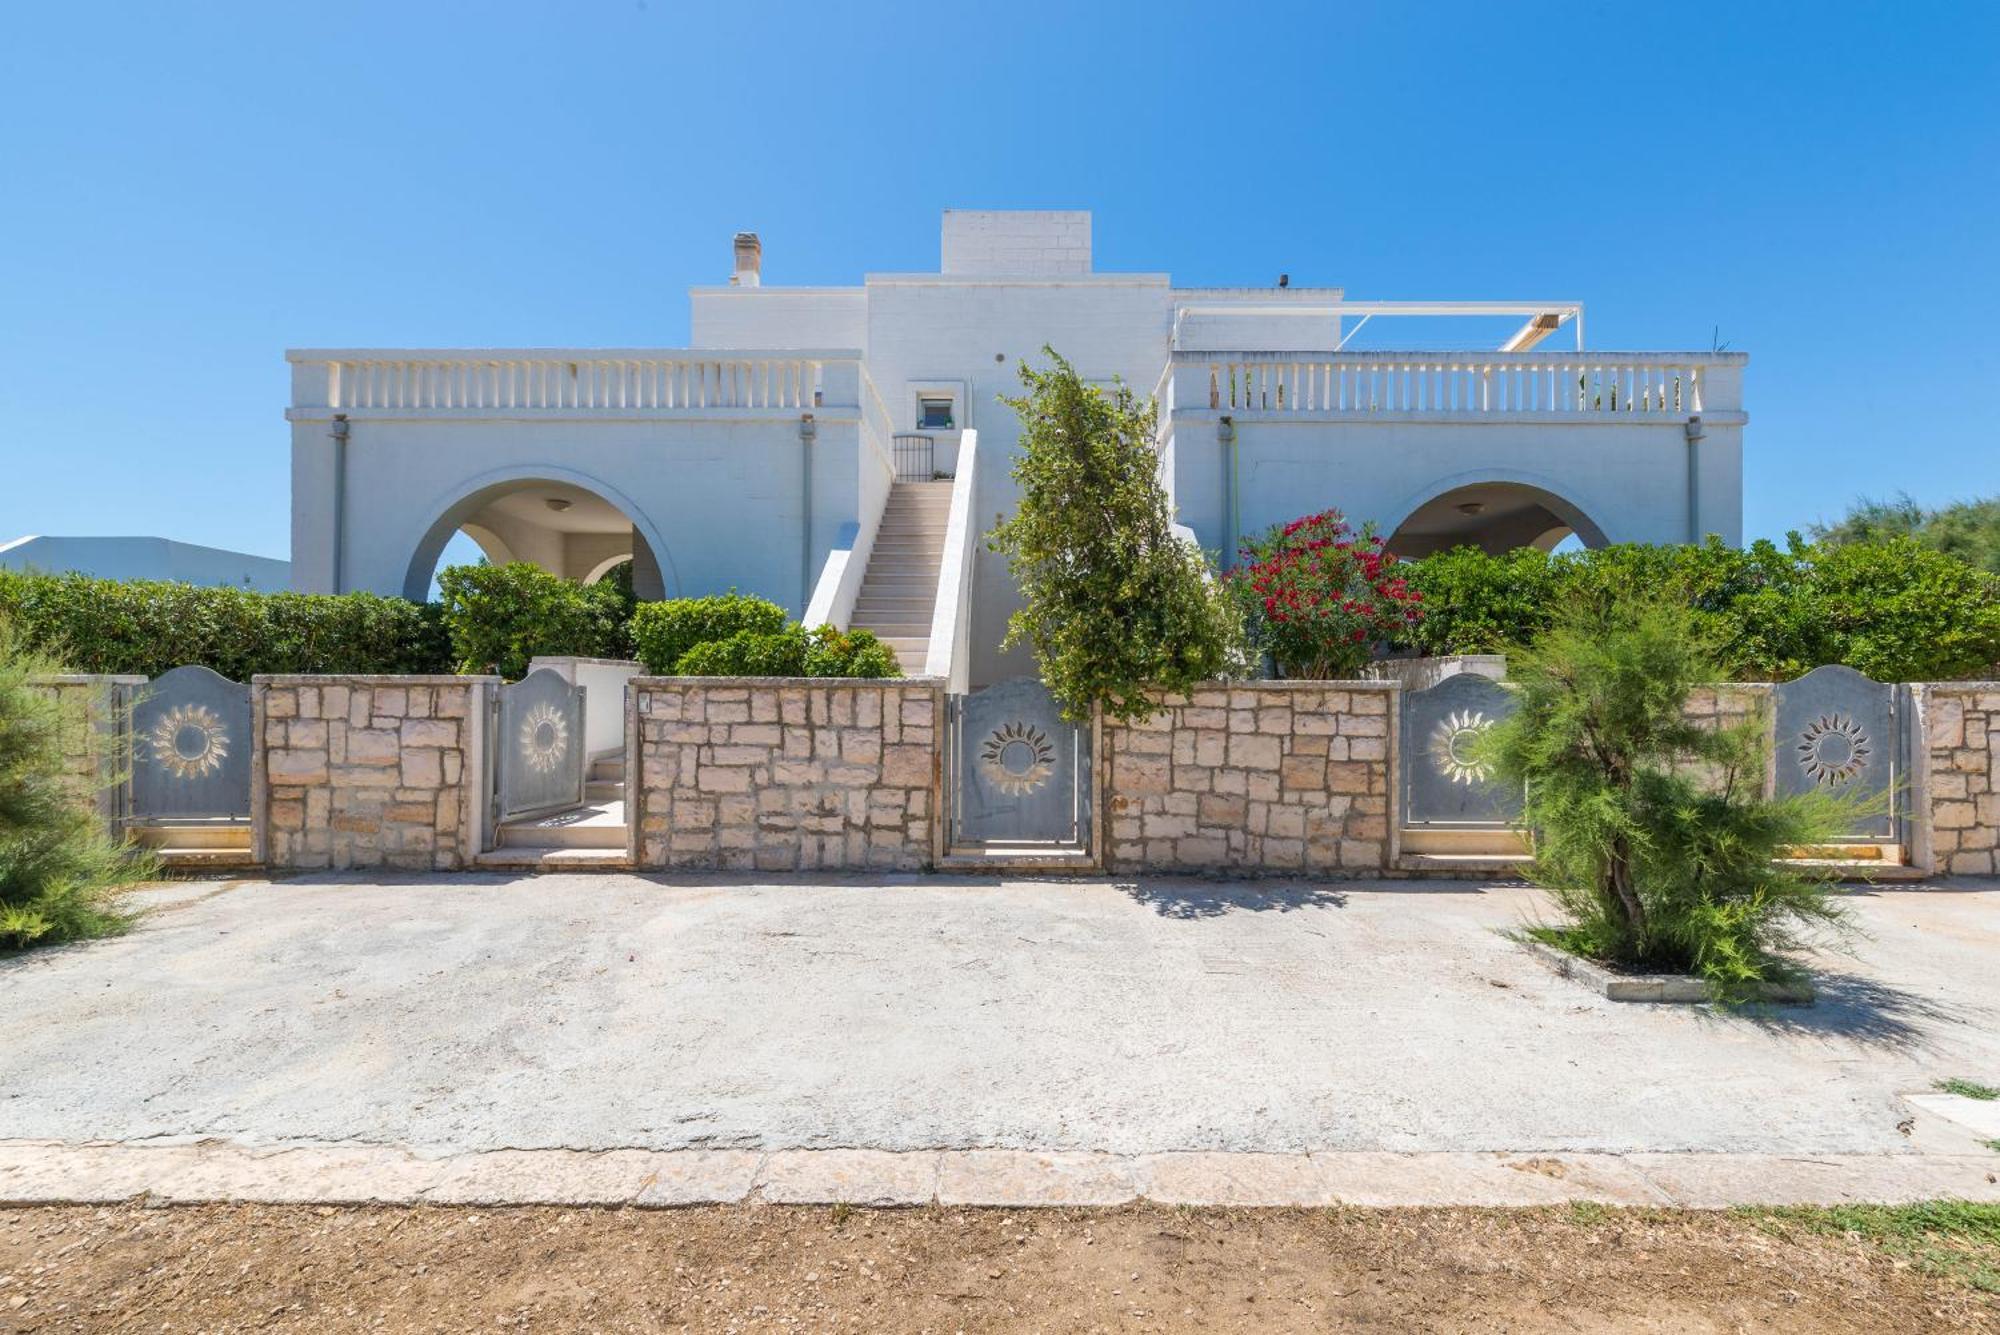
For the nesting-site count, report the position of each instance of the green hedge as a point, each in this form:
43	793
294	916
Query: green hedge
1894	609
502	616
151	626
791	652
663	632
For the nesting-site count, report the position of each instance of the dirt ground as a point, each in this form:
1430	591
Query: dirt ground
1144	1268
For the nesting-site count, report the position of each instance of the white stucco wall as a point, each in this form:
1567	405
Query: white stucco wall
777	317
721	501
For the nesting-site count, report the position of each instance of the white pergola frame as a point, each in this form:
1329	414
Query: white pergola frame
1544	317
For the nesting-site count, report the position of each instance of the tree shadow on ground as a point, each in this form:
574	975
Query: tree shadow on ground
1192	901
1864	1011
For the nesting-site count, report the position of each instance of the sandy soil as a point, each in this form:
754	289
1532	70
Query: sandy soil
230	1268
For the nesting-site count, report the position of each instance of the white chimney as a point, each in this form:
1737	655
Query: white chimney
749	260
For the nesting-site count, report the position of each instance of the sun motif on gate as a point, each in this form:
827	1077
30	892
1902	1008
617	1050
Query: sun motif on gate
1018	758
1451	746
189	741
544	737
1832	749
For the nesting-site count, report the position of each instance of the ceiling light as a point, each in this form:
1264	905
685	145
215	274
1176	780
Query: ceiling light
558	503
1472	507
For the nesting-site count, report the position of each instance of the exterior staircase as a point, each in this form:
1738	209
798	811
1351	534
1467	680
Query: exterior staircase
590	836
899	588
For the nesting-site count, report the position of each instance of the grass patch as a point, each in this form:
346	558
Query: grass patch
1967	1089
1957	1240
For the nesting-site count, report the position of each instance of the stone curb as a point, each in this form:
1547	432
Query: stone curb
43	1173
1675	988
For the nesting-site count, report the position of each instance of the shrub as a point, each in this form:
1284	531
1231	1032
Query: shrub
663	632
1652	833
791	652
1115	603
1320	597
151	626
59	871
502	616
1893	608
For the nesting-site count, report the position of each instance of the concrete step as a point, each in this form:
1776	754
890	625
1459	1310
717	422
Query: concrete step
889	631
555	859
190	836
572	836
595	791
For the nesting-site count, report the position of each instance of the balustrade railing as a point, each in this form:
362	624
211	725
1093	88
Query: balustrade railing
1615	384
558	382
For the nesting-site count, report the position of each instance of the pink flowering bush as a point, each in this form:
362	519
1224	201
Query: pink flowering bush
1319	597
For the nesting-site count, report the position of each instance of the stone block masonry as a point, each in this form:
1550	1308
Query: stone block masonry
784	774
90	709
369	771
1961	793
1271	776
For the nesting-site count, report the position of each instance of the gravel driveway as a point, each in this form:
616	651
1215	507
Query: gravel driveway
474	1013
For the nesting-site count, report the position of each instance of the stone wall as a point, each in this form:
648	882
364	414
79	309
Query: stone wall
780	774
369	771
1257	776
89	708
1961	795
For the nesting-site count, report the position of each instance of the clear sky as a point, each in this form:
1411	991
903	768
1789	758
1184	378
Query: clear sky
187	189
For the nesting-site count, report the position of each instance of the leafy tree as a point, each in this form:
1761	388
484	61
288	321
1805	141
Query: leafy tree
59	871
1653	833
500	617
1116	605
1968	530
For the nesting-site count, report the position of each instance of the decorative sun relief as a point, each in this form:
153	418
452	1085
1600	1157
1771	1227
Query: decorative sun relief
189	741
1018	758
544	737
1451	746
1832	749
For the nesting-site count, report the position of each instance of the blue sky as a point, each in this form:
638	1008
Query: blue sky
188	189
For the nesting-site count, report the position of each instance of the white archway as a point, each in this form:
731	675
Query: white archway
479	505
1494	511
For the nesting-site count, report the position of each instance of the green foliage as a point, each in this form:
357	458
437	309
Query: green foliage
1968	530
791	652
1892	608
150	626
1968	1089
1653	833
1115	603
663	632
1320	597
500	617
1959	1240
59	872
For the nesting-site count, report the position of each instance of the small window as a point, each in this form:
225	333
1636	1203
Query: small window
934	414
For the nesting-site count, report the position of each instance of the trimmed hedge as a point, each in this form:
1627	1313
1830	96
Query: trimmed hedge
1893	609
663	632
791	652
151	626
502	616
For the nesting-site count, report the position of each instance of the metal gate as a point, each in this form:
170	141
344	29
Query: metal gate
538	750
916	456
1444	784
1017	772
1841	732
191	749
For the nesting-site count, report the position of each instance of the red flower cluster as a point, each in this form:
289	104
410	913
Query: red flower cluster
1322	595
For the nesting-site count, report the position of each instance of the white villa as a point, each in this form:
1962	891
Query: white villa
840	450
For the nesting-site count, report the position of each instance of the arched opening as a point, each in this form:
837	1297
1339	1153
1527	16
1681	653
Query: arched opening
1495	517
570	528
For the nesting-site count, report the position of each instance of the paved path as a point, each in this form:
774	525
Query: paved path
1093	1040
